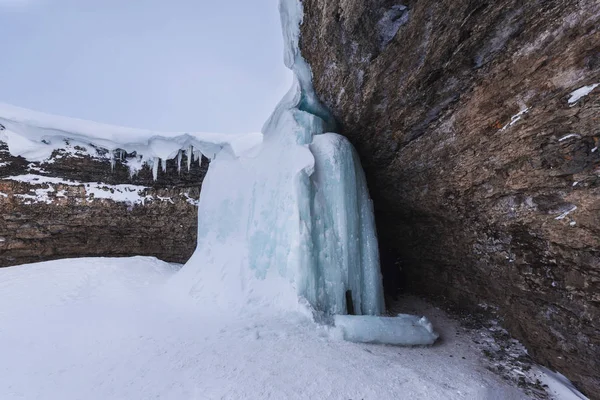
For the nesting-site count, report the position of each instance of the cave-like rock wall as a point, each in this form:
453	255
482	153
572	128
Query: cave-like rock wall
77	205
486	180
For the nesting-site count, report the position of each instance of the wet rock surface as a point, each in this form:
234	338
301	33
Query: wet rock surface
483	165
76	205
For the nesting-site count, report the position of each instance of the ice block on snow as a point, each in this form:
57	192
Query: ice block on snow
403	330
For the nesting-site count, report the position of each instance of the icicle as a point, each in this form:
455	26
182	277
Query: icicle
164	164
189	157
198	156
179	161
155	168
112	161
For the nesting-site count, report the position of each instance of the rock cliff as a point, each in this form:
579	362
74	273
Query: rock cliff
478	124
76	204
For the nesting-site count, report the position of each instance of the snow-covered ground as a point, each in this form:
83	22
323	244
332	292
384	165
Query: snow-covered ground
102	328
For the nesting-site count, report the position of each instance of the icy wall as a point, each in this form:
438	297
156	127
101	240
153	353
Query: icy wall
289	225
478	125
296	219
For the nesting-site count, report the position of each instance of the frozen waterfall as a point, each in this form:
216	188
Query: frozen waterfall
285	218
293	220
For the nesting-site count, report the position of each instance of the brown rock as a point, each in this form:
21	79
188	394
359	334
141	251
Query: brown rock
67	221
475	195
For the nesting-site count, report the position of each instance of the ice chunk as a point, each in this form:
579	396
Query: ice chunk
404	329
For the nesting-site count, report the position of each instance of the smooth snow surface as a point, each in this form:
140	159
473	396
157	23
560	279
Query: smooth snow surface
104	329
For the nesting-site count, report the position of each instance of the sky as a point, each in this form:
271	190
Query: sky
176	65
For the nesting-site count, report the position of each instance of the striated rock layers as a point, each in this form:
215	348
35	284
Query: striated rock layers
77	205
482	161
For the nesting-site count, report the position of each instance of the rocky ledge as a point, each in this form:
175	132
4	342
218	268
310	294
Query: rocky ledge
80	203
478	124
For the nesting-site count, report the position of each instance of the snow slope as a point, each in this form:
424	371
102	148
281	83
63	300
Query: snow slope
104	329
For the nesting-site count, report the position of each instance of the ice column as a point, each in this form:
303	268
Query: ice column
291	220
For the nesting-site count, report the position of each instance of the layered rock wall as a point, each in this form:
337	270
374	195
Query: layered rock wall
482	161
76	204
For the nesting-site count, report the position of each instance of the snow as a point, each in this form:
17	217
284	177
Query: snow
35	136
515	118
99	328
131	194
566	213
190	200
569	136
581	92
40	196
559	387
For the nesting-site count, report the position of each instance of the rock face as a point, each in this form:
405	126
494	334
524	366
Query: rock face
484	168
77	205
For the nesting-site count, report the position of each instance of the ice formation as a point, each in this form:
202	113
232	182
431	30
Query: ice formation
285	224
295	221
403	329
35	136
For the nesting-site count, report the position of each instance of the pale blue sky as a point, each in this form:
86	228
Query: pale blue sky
170	65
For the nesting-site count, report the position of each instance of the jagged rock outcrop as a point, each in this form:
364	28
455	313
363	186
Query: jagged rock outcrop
483	165
77	205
